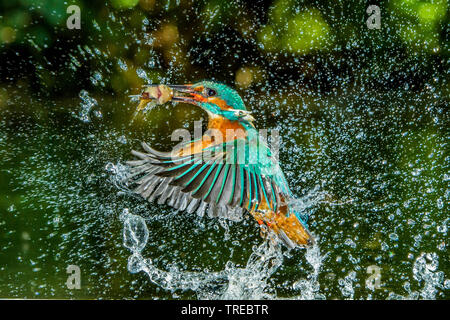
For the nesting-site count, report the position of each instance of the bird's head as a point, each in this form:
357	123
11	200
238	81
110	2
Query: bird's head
217	99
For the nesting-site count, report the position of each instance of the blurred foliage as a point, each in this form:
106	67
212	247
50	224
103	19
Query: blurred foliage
315	44
300	32
420	23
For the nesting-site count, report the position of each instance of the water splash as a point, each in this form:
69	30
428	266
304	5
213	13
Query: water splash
310	287
250	282
119	173
346	285
426	273
87	105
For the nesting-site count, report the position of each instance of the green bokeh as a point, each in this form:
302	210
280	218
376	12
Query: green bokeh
124	4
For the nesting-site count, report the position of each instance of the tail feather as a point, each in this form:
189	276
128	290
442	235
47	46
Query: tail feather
289	228
294	229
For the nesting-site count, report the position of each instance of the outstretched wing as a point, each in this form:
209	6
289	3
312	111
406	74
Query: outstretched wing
224	179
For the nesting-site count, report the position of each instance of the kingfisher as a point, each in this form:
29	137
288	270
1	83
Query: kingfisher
227	172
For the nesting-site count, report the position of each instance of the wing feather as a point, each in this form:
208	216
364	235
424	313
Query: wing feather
224	188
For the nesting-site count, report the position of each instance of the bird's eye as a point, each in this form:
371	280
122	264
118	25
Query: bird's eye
210	92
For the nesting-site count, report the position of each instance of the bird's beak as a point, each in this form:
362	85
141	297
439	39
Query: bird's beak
185	93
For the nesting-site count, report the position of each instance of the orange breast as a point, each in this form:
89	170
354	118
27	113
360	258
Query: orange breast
230	130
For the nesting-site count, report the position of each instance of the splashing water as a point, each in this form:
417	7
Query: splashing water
250	282
310	287
231	283
428	276
87	107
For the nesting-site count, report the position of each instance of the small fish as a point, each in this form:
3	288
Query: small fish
152	96
159	94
